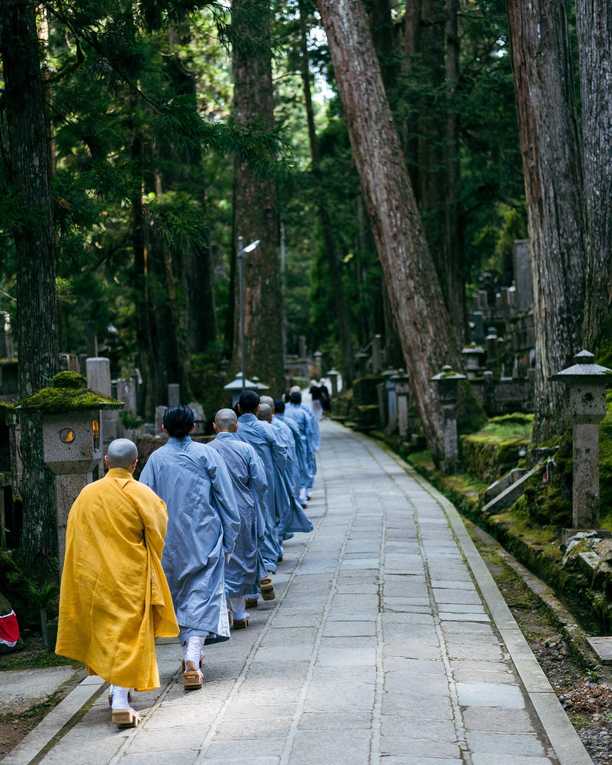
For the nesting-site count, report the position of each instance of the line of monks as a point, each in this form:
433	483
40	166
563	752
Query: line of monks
188	547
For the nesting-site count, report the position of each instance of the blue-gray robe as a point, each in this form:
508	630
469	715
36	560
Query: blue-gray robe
274	457
250	486
305	421
303	470
290	515
203	524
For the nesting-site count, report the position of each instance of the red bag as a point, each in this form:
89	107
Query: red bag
9	630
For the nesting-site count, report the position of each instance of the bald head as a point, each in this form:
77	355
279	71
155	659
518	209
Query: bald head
226	421
267	400
122	453
264	412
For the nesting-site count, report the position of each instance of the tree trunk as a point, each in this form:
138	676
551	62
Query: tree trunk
422	319
594	24
453	244
553	190
329	241
256	207
30	171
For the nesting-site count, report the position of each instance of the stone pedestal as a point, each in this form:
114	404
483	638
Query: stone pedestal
447	382
587	384
402	394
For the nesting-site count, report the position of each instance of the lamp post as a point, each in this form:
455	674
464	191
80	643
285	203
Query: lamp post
241	254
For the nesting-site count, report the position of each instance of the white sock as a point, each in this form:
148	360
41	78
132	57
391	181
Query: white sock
120	697
238	607
192	649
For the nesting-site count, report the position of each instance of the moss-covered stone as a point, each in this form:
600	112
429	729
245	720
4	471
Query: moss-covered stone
367	417
69	379
68	392
536	546
494	449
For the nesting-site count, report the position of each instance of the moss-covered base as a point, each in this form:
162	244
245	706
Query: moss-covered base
537	547
496	447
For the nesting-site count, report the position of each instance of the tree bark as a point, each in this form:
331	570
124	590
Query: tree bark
414	290
256	206
37	324
553	188
453	235
594	26
329	241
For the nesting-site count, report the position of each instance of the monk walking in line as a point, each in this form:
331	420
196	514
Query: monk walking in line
114	598
247	472
203	525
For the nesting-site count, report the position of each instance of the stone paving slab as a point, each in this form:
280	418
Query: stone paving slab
381	648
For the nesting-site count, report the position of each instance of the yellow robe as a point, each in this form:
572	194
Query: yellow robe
114	598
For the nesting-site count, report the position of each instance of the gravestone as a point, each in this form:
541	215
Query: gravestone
7	350
174	395
99	380
402	393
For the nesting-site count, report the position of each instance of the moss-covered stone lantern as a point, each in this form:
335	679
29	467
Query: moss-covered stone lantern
238	384
72	437
447	382
587	383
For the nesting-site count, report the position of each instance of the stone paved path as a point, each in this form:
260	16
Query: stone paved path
377	650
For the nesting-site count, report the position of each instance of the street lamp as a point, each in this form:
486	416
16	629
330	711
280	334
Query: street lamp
241	255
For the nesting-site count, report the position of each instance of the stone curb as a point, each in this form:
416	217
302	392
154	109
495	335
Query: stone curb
32	746
557	726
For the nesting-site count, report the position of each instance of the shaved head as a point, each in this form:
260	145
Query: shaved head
226	421
122	453
267	400
264	412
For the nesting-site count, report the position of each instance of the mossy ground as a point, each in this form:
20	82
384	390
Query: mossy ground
495	448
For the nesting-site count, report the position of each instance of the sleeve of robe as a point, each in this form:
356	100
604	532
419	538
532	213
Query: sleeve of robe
259	487
154	516
279	450
224	499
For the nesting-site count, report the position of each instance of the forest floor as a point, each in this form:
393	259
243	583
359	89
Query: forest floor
585	694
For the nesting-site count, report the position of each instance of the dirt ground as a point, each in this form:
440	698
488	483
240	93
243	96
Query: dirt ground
585	694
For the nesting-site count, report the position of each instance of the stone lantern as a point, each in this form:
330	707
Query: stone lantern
447	382
402	396
332	376
473	356
238	384
587	382
318	356
72	438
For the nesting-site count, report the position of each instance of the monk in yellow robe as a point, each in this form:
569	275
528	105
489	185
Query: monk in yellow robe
114	598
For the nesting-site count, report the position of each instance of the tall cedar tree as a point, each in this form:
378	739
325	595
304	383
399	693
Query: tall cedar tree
29	172
426	335
327	232
255	196
553	187
594	25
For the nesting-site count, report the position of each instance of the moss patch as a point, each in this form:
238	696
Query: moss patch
68	392
535	545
